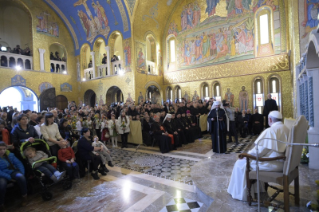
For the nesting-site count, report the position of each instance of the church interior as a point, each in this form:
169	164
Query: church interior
87	61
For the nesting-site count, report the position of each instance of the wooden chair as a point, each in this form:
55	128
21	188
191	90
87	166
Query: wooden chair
290	172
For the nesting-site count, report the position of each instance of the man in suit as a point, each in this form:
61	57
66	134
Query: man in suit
270	105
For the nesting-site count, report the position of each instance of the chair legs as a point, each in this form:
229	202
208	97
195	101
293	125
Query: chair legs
286	194
297	195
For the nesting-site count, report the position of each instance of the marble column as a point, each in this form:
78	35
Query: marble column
93	63
41	51
107	48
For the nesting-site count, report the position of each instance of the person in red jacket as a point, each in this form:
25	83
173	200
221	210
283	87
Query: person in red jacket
67	157
5	135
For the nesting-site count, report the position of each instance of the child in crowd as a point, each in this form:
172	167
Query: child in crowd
105	135
79	124
44	166
66	156
113	130
104	153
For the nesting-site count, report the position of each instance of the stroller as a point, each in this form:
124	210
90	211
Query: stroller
44	181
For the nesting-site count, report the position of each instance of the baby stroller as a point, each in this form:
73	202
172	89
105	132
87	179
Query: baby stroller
44	181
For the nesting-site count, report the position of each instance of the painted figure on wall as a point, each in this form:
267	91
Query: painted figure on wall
45	85
243	99
85	23
172	29
47	25
129	98
195	97
127	53
186	97
311	10
140	98
100	12
211	7
190	16
141	59
229	96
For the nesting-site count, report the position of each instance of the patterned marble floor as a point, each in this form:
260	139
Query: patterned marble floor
157	165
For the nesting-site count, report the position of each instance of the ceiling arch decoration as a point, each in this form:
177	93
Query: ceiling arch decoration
88	20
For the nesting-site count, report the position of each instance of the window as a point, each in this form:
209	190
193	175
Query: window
178	93
258	97
205	93
274	89
264	29
264	33
172	50
169	94
216	90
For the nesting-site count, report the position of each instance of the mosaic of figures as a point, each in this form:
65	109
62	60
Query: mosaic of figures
218	39
308	20
47	24
140	57
93	24
127	55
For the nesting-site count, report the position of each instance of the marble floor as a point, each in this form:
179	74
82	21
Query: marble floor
191	178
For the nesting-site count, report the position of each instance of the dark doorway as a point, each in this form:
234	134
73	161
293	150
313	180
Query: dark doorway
47	99
61	102
89	98
114	95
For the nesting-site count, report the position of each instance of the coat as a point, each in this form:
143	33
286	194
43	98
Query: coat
85	149
5	172
110	125
19	135
119	123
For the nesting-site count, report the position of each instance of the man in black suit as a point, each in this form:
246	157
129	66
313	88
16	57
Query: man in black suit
270	105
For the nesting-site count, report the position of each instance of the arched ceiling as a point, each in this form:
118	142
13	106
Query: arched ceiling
88	20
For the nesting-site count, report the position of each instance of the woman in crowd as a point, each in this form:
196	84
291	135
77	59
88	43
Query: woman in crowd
123	127
22	131
5	135
40	121
97	124
11	170
112	125
66	131
85	149
51	134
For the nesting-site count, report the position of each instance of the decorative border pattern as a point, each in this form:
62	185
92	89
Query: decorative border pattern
66	21
238	68
311	113
123	15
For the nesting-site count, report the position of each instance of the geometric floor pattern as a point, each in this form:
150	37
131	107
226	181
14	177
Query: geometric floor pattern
242	146
182	205
157	165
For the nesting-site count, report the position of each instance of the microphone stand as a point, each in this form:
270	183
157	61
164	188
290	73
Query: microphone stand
218	131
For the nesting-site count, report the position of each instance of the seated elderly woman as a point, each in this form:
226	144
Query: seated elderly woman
11	170
22	131
51	134
85	153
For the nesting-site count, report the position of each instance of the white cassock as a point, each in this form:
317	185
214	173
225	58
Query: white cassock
267	148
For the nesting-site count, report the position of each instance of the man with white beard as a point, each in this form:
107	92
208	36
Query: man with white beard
266	148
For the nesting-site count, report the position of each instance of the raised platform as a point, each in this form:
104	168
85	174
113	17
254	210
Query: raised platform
211	178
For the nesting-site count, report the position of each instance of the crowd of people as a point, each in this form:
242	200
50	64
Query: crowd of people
17	50
90	129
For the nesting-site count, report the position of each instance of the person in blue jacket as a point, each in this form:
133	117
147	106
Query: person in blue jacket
11	170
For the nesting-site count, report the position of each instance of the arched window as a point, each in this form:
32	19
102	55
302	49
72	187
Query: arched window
100	61
258	89
169	94
178	93
274	88
204	91
264	33
151	54
172	53
58	57
216	91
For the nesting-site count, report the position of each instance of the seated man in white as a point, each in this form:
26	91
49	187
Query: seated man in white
266	148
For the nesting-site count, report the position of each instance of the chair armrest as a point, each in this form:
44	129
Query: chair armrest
245	155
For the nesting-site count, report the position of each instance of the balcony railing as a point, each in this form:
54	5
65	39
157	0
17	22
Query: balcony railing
57	66
150	67
11	60
102	71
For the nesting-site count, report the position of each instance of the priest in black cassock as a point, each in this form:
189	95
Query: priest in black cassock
270	105
170	128
164	141
257	122
217	127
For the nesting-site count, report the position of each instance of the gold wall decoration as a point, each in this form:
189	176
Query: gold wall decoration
140	53
123	15
239	68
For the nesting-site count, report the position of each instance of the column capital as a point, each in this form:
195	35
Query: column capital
107	48
41	51
92	53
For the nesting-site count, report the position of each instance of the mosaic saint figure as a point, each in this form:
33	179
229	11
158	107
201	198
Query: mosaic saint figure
127	53
186	97
243	99
229	96
211	7
195	97
129	98
197	14
189	13
141	59
85	22
206	45
184	20
198	48
311	11
140	98
101	15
